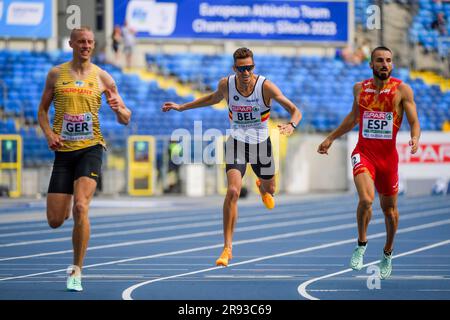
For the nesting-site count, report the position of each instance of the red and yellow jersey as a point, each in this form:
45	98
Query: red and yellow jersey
379	121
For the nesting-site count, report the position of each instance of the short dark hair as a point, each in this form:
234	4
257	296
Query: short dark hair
242	53
380	48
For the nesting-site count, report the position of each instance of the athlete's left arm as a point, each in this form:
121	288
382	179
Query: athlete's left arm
114	99
411	114
271	91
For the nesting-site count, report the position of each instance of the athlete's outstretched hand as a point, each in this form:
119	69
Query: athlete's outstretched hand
414	143
167	106
324	146
286	129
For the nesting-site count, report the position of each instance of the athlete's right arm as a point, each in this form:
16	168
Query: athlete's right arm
54	141
208	100
349	122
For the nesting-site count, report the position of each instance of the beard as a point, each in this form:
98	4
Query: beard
382	76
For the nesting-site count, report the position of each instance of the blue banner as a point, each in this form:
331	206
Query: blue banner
26	18
311	21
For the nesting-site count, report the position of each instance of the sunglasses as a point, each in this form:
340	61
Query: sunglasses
245	68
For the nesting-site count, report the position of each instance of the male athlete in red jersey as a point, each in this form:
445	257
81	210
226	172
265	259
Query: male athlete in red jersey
378	107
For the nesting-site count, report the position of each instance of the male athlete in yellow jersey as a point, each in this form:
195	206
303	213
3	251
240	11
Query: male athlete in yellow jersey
249	99
76	87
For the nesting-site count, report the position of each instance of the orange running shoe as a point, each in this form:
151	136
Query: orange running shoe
267	198
224	257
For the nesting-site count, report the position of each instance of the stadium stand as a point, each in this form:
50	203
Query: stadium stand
422	30
320	86
309	82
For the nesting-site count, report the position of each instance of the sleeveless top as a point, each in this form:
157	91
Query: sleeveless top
248	114
77	103
378	119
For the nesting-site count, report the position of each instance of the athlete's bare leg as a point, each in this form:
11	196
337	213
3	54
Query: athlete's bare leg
83	193
267	185
230	209
366	192
58	208
390	210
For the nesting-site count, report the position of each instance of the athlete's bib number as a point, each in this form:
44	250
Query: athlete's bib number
241	116
246	115
356	158
377	125
77	127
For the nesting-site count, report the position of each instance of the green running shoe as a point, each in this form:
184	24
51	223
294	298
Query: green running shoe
356	262
385	266
74	283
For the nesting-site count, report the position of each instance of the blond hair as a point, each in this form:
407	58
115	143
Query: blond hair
82	28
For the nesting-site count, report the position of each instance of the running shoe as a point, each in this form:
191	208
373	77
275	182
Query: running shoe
267	198
224	257
74	283
385	266
356	262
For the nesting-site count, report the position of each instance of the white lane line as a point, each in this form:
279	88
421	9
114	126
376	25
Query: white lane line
263	276
103	226
93	215
31	268
302	287
299	264
397	269
135	222
198	225
31	264
413	277
334	290
116	261
218	232
422	264
164	264
219	246
28	219
126	294
158	255
281	213
139	269
192	213
218	222
434	290
193	235
274	269
255	216
107	276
